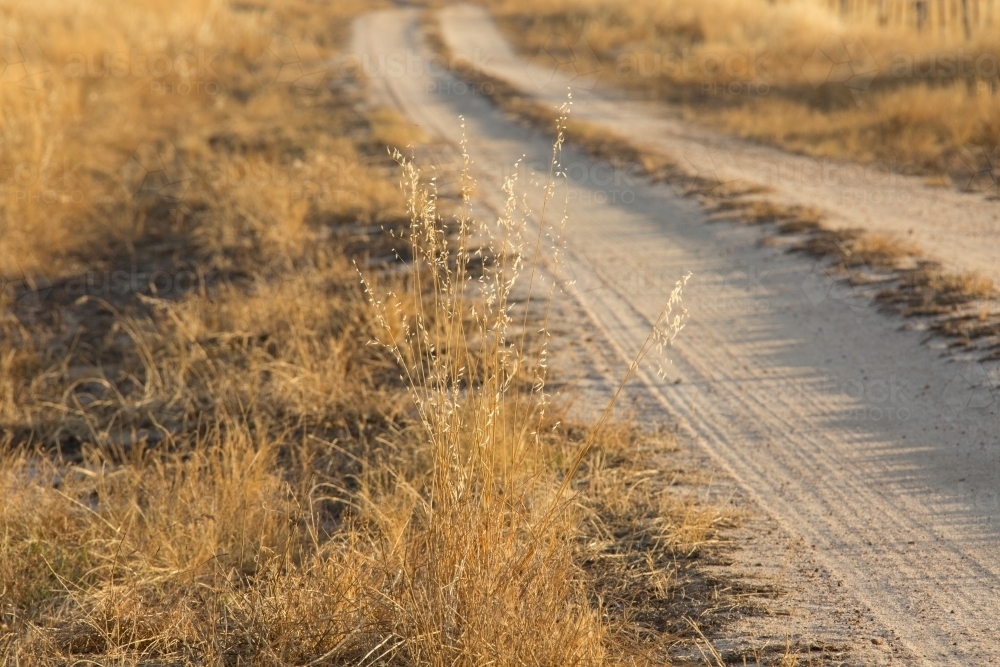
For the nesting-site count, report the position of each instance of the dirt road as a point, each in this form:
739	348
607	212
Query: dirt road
878	452
959	230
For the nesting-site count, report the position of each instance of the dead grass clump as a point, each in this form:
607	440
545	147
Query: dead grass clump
969	328
644	532
790	219
857	248
958	305
498	532
880	251
927	290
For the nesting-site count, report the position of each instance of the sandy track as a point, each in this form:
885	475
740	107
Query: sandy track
877	452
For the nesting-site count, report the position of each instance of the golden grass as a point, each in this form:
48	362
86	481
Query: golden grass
112	81
202	459
913	129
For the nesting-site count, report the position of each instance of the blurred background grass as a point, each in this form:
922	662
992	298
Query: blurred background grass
899	82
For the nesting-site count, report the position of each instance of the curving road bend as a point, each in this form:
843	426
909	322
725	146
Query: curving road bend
877	452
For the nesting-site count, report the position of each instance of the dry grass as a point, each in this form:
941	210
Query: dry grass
914	129
920	102
201	459
790	219
67	146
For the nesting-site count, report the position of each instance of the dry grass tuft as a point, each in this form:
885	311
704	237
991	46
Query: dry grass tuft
790	219
930	291
880	251
857	248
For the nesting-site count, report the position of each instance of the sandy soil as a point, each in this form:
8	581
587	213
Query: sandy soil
871	457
